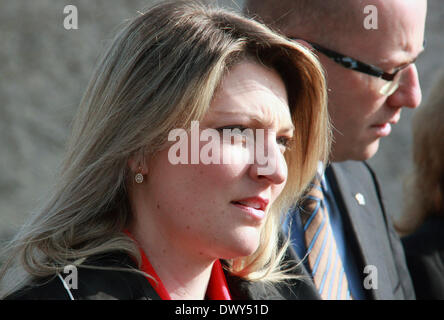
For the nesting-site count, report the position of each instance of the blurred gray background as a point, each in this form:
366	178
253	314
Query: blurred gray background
44	70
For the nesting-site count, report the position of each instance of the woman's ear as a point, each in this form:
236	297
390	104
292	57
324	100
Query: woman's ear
137	164
138	167
133	164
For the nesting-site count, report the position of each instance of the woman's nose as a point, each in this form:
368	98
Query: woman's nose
269	164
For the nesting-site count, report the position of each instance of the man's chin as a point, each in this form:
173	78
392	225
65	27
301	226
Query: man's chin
357	154
370	151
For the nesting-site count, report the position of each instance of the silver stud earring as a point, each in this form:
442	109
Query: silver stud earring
139	177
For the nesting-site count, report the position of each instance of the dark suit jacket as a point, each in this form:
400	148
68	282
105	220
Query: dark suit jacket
94	284
424	251
369	230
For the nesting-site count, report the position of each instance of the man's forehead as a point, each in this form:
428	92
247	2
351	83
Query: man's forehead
397	41
392	50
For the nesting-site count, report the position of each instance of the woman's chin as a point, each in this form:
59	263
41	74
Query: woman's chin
242	246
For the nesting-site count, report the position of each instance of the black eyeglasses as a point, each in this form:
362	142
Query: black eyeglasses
353	64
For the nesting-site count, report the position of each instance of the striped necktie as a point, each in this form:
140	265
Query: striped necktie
323	257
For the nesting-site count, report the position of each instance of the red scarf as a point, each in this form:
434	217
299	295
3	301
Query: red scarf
217	287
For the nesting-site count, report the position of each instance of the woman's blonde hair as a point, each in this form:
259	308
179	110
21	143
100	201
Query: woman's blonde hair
424	187
160	73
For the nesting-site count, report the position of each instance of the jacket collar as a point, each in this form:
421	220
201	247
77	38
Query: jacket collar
361	224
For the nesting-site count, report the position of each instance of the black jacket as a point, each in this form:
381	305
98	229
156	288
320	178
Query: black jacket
95	284
424	251
369	230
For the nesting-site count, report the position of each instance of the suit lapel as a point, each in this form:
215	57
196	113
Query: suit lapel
363	223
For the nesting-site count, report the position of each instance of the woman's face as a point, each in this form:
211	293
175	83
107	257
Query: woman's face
217	210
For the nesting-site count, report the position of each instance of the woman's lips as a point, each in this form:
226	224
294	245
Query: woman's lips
253	206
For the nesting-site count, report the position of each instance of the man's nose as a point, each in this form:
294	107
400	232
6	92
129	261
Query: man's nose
409	92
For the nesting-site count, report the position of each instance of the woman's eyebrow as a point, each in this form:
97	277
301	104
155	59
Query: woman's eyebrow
256	119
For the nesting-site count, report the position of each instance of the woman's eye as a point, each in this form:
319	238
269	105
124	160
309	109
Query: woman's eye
283	141
236	134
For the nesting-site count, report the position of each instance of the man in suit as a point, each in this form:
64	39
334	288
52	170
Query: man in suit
368	49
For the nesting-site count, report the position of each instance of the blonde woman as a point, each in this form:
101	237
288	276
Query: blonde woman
154	199
422	222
